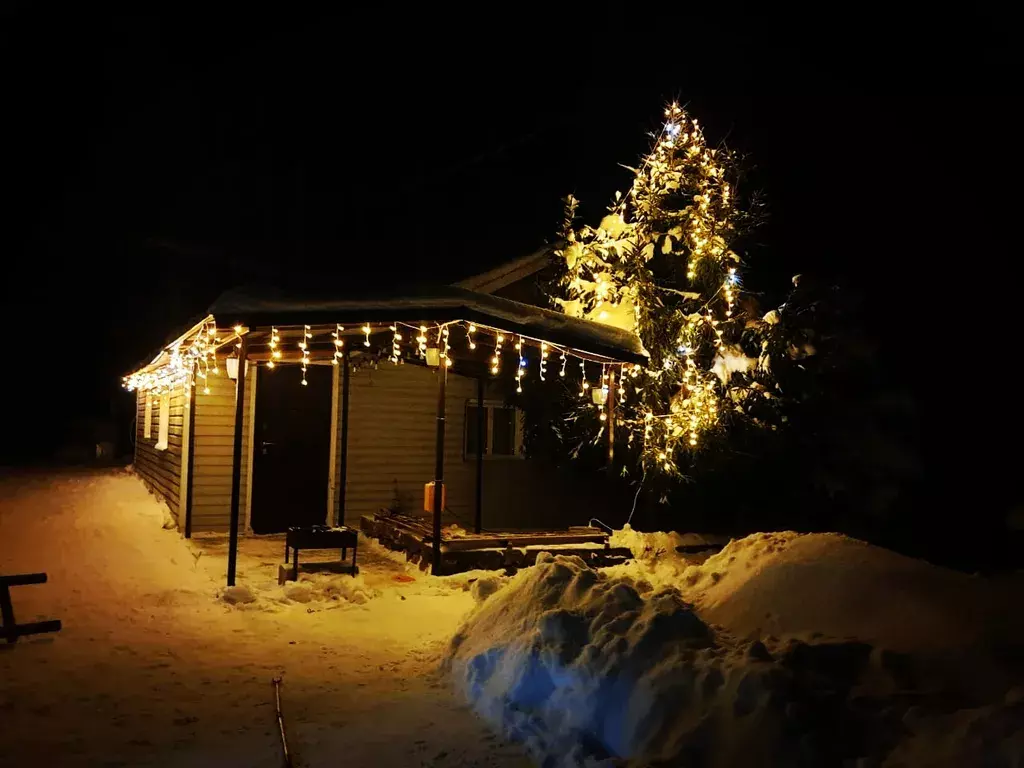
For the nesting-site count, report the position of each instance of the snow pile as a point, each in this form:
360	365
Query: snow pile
341	589
589	668
800	584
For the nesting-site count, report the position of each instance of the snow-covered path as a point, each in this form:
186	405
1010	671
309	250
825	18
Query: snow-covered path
152	669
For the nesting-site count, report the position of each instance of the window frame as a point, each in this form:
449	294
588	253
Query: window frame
164	426
490	406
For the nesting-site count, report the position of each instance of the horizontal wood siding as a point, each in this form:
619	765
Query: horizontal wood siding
214	451
391	446
161	469
392	412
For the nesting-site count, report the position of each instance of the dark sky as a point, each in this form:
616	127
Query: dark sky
152	162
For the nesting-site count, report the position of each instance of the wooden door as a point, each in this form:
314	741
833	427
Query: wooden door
291	451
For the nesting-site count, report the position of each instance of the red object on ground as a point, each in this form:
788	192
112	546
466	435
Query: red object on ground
403	578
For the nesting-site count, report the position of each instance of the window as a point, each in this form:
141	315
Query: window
165	419
147	423
503	434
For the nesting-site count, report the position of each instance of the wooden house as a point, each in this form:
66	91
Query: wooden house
279	409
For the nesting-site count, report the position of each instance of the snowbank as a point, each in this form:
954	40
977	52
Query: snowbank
589	668
793	584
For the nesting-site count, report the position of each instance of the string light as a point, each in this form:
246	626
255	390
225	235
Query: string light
366	330
339	343
727	290
422	339
585	386
444	351
496	360
469	335
564	361
604	392
521	366
543	359
396	349
275	353
304	346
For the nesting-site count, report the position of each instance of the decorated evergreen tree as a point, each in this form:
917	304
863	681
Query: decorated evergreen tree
663	263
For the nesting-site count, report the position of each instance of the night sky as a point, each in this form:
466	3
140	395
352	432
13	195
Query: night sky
152	162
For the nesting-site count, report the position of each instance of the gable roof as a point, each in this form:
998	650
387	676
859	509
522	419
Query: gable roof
508	273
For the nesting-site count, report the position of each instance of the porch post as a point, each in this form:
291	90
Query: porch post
481	415
442	375
236	465
343	469
191	463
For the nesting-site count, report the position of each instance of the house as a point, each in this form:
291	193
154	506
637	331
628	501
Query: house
348	406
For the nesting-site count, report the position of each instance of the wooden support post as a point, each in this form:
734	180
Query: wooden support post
442	375
236	466
611	417
481	417
191	464
343	469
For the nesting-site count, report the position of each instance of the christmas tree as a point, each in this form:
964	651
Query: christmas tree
663	263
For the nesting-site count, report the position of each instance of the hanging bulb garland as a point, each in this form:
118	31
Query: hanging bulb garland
521	366
339	344
422	339
275	353
543	359
585	386
469	335
496	360
304	346
396	348
603	398
446	348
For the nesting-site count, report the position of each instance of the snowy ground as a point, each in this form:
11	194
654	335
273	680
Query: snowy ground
153	667
781	650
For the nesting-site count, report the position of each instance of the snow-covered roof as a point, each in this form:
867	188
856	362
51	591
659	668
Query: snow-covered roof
257	306
507	273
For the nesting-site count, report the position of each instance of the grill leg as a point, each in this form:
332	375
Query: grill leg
295	564
354	558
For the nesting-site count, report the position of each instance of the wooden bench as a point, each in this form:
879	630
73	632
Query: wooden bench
10	630
320	537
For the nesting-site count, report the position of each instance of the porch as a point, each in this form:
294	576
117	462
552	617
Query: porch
462	550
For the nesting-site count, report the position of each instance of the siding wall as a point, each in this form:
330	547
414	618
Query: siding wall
213	445
161	469
391	449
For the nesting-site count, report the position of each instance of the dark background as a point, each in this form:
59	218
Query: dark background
151	162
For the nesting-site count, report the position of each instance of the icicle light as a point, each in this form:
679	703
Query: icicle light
543	359
275	353
396	344
422	340
304	346
564	361
469	336
496	360
446	348
520	369
585	386
366	330
339	343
